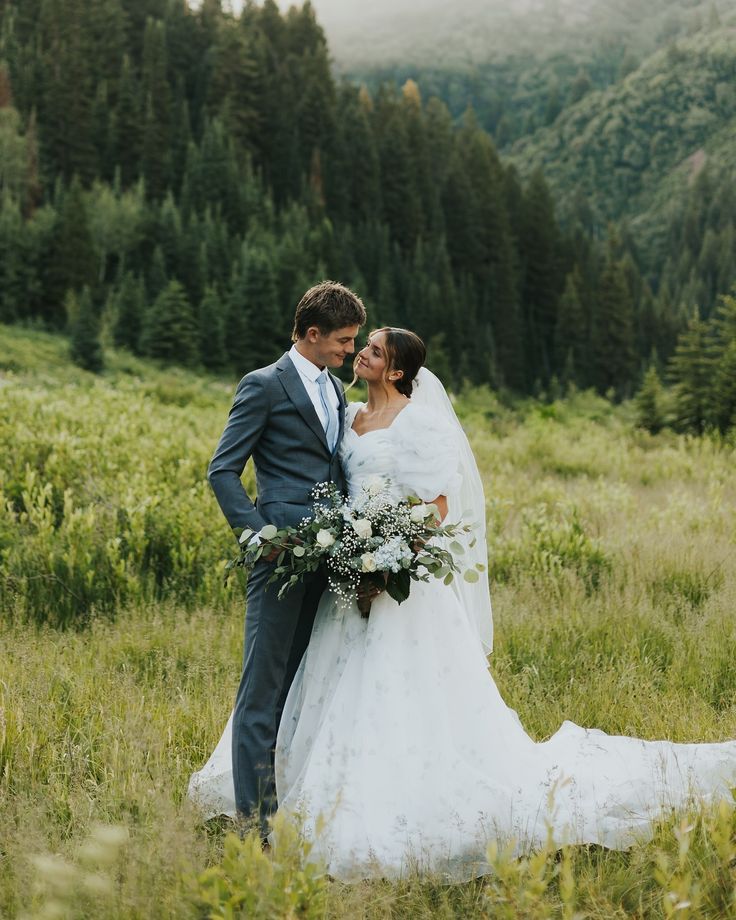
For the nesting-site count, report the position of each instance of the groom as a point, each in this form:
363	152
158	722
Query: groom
289	417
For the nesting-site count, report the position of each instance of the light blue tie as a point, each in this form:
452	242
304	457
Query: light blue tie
332	422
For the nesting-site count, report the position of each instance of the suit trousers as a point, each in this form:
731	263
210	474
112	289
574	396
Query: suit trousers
277	633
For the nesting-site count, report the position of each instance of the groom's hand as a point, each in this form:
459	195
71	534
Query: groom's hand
274	552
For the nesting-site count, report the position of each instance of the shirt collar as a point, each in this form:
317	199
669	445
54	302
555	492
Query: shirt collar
304	365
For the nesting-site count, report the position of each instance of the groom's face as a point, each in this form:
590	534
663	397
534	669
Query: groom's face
331	348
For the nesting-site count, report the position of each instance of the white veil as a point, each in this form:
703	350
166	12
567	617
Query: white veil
468	505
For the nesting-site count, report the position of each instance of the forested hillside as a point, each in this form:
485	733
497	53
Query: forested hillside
172	180
636	150
519	64
181	177
629	110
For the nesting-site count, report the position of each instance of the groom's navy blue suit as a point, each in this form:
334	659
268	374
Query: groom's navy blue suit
274	421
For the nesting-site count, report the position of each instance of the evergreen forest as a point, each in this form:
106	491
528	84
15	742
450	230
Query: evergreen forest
173	179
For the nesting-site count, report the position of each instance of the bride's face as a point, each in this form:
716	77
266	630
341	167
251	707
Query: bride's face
372	360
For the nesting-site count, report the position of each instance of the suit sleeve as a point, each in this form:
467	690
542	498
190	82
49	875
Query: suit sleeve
245	424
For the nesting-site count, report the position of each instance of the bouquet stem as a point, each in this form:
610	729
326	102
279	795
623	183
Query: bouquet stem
364	605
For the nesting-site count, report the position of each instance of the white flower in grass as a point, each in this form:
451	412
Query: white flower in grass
325	539
368	561
363	528
419	513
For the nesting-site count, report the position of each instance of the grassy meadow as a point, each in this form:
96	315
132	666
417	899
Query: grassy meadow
613	566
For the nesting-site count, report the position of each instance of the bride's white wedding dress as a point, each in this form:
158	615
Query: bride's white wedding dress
396	751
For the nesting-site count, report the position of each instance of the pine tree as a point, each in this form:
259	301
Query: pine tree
264	321
234	86
156	152
353	187
127	126
66	99
72	264
129	304
542	273
401	205
612	333
649	402
157	278
572	338
691	371
86	348
170	328
724	389
723	351
212	330
12	274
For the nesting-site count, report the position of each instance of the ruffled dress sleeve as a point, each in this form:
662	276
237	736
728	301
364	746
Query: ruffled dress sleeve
351	410
427	457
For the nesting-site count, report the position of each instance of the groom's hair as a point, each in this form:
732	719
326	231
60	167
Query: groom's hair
328	305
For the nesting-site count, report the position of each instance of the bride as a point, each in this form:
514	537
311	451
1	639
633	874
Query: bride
395	750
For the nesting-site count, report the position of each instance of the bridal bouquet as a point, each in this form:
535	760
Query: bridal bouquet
372	540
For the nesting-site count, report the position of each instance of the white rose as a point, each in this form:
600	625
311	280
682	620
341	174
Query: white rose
363	528
369	562
419	513
375	485
325	538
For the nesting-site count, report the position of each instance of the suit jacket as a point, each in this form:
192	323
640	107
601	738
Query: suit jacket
273	420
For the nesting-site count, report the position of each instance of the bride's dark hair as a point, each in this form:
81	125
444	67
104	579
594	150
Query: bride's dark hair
406	352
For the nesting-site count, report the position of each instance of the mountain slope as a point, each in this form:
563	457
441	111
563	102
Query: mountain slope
435	33
629	149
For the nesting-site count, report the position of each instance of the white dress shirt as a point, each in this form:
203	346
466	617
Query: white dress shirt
309	373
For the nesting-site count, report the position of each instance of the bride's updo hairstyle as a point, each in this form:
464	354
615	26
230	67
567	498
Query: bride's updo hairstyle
405	352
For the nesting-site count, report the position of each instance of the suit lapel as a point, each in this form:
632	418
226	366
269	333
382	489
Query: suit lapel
292	383
342	402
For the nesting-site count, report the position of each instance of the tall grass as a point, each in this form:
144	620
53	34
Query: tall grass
613	555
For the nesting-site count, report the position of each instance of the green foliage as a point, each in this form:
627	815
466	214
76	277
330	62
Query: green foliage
614	358
103	725
188	145
650	402
129	309
249	883
700	370
72	261
547	548
86	348
85	529
212	330
169	328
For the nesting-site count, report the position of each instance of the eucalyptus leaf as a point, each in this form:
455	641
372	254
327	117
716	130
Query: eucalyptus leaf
298	551
457	547
268	532
448	578
471	576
